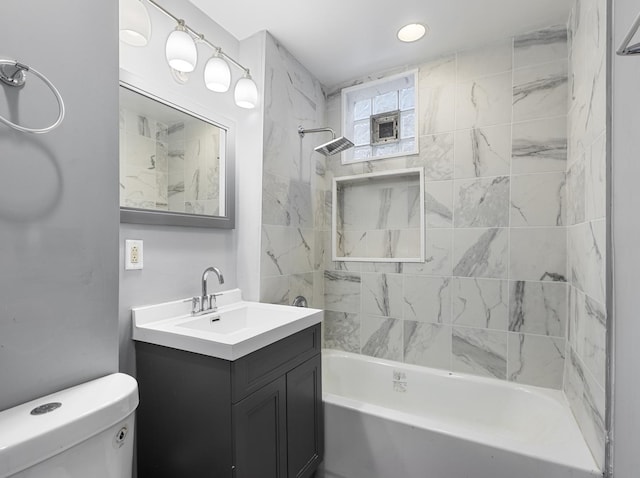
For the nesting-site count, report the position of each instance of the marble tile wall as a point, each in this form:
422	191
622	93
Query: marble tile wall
491	298
584	382
293	193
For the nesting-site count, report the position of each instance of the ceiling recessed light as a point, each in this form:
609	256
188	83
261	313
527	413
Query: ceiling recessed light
412	32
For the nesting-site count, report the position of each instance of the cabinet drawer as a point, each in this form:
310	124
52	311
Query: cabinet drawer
251	372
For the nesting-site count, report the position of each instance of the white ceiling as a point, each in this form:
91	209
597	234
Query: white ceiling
342	40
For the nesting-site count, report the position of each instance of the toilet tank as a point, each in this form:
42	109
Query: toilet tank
82	432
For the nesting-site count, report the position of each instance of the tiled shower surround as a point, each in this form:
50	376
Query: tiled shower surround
584	382
491	298
512	142
291	260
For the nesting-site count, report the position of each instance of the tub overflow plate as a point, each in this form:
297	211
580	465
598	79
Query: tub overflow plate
46	408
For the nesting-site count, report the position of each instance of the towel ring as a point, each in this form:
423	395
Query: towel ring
13	73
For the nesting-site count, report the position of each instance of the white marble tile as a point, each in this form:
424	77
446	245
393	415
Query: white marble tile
386	267
301	285
587	400
484	102
342	291
536	360
438	197
427	344
481	253
591	339
276	251
437	108
538	308
382	337
484	61
275	200
436	92
595	181
439	71
389	164
300	204
538	200
342	331
382	294
380	204
439	243
538	254
275	290
351	243
482	152
540	91
436	156
480	303
576	193
480	352
481	202
317	301
540	146
540	46
302	254
427	299
587	249
320	249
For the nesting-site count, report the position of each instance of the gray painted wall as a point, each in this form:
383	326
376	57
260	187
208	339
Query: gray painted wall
174	259
58	201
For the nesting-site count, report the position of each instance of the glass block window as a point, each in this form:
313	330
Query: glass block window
395	93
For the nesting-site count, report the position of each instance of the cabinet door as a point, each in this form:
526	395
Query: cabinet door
260	423
305	423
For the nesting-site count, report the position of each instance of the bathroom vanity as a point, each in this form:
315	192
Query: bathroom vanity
256	415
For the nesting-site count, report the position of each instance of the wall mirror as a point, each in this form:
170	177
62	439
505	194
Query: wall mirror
379	217
175	165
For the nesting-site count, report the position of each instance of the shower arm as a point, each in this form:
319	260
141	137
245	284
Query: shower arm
302	131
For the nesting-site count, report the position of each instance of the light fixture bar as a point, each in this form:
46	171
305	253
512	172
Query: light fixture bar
199	36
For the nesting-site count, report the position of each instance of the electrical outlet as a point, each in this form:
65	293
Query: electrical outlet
133	255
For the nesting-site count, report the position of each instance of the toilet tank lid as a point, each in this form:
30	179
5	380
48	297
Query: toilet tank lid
86	410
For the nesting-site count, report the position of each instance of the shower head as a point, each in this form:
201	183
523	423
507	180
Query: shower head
336	145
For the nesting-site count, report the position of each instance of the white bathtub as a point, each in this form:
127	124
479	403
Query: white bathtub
386	419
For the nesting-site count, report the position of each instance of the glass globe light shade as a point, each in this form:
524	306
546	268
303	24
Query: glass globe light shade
217	75
181	51
246	93
135	24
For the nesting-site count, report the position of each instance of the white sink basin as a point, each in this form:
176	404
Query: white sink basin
236	329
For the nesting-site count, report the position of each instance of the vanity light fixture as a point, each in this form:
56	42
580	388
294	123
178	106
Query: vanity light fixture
412	32
217	75
246	92
182	53
135	24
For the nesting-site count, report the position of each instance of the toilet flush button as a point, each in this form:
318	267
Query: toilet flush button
46	408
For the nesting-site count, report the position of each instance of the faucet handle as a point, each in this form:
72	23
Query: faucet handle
195	305
213	302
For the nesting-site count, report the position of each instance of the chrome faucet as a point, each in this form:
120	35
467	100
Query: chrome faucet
207	302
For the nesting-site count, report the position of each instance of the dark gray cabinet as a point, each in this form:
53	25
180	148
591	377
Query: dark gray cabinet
257	417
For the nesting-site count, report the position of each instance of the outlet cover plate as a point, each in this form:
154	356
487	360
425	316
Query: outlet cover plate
133	254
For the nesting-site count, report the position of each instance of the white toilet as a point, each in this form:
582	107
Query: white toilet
81	432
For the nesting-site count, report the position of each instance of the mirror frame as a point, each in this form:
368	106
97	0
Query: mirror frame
152	217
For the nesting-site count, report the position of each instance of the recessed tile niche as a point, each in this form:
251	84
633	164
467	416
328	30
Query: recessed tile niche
379	217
